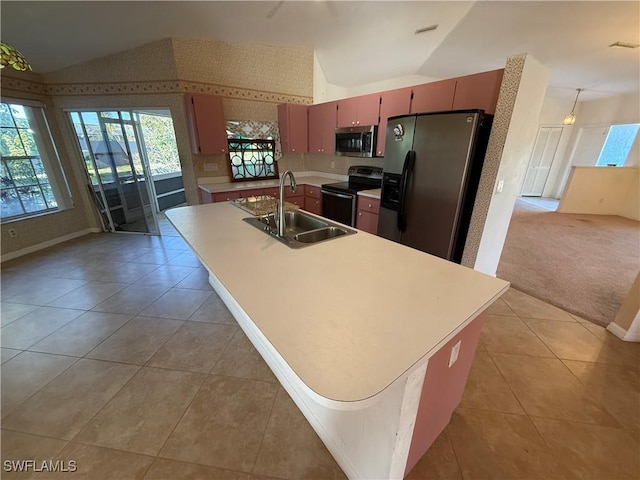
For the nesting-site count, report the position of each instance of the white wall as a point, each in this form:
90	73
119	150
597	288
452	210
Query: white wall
523	122
553	112
602	191
392	84
323	91
592	118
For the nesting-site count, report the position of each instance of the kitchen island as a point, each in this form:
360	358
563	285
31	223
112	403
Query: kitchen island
372	340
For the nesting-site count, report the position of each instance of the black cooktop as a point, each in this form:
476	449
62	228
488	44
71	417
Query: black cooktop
360	178
349	187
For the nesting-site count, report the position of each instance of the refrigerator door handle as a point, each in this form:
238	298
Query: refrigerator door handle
407	169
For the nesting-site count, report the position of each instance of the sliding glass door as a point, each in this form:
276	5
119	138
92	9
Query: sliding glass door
118	169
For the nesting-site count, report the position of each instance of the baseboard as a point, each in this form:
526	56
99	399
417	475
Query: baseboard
47	244
623	334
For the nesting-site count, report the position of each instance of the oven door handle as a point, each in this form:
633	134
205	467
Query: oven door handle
339	195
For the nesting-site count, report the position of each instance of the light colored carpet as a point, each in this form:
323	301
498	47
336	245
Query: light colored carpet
584	264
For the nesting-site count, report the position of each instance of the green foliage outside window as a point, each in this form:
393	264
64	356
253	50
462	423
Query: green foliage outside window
25	187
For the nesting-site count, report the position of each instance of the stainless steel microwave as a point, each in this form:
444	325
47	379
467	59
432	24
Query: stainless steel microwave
356	141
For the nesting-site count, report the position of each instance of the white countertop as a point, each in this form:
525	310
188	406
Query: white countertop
374	193
349	316
315	180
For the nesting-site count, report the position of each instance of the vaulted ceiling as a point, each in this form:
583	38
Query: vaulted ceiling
355	42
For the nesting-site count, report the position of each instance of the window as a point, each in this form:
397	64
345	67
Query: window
252	159
31	178
159	139
618	144
253	149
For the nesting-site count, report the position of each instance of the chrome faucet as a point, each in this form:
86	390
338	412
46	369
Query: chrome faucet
280	220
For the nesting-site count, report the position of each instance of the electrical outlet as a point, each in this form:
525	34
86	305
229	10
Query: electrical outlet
333	164
210	167
500	186
455	351
12	233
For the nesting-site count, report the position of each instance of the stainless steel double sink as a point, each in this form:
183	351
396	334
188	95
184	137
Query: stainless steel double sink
301	229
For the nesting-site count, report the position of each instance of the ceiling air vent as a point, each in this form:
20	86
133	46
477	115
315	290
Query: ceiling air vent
425	29
625	45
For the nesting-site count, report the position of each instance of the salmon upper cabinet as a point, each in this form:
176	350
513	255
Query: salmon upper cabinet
480	90
322	128
207	125
292	121
433	97
363	110
393	102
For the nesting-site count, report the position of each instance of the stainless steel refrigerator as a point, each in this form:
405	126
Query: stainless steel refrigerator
431	170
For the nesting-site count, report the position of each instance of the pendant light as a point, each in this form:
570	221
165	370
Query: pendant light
9	56
570	119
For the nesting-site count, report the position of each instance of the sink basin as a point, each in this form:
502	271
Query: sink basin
301	229
298	222
321	234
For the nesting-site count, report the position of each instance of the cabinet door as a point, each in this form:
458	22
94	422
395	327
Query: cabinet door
313	205
478	91
367	221
329	116
363	110
316	128
368	109
433	97
347	112
205	197
292	122
225	196
206	124
254	192
296	200
368	204
271	191
394	102
312	191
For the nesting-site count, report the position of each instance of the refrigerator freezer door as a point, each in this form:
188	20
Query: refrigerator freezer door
443	145
388	224
398	142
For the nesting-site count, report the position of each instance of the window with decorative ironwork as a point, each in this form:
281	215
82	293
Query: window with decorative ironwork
254	148
252	159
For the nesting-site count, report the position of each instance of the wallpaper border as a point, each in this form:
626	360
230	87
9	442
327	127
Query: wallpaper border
151	87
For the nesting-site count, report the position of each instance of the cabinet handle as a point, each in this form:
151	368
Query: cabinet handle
293	149
353	123
369	205
359	214
358	122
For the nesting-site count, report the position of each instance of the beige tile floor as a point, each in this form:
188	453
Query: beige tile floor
117	354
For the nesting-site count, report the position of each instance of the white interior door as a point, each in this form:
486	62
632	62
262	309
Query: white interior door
540	162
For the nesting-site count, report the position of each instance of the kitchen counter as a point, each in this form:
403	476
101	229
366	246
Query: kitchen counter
332	309
374	193
348	326
314	179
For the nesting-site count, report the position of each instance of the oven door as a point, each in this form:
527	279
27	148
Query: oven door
340	207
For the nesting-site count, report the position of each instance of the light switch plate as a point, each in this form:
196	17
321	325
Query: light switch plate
455	351
500	186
